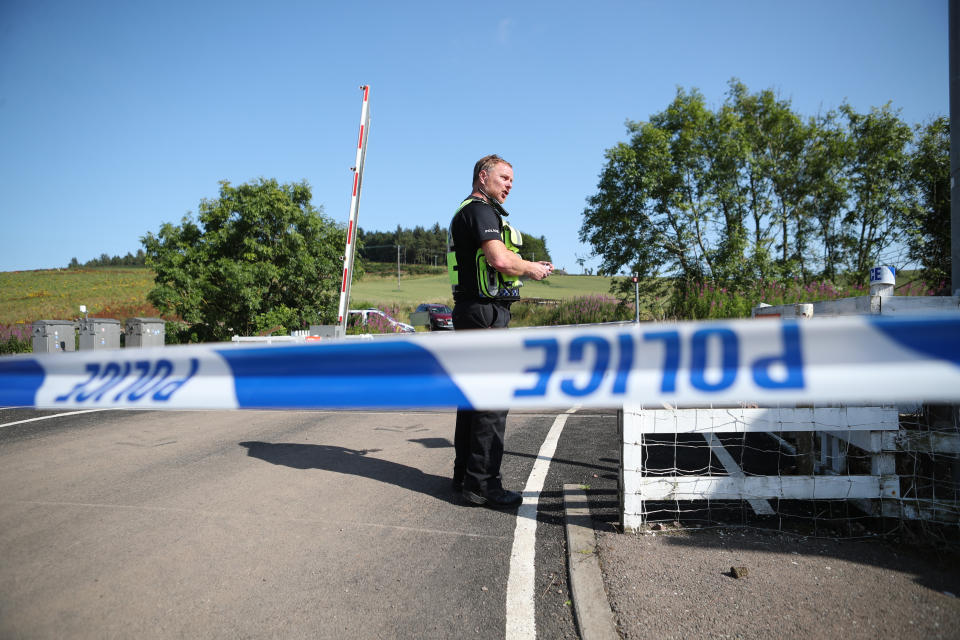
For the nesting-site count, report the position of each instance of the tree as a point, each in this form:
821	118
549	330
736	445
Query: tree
426	246
750	191
651	215
826	191
535	248
878	183
259	256
775	141
929	228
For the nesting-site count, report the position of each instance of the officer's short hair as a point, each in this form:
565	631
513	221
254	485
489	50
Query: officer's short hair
485	164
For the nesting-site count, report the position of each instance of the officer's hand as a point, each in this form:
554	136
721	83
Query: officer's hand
540	270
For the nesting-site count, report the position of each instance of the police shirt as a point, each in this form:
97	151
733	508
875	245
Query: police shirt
473	225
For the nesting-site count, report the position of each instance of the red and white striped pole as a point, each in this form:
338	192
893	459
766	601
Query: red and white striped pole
354	210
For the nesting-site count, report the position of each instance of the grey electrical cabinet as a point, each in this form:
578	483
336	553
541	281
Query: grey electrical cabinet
324	330
145	332
50	336
99	333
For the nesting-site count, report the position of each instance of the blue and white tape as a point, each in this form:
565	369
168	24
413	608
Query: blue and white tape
826	360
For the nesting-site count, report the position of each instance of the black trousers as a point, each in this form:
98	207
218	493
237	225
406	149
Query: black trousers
478	439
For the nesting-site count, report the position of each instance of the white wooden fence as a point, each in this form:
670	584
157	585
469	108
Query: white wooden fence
874	431
865	425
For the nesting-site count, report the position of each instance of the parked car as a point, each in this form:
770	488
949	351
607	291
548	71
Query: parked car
438	317
378	321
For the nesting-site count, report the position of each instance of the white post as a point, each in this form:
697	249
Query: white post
882	281
351	247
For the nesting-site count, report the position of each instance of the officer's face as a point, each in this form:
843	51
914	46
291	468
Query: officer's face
497	182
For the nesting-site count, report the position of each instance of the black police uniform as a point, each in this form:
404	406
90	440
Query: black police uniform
479	435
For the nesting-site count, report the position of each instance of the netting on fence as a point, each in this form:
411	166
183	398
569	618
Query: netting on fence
840	471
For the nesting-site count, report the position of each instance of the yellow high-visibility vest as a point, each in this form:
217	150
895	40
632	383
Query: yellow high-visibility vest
490	282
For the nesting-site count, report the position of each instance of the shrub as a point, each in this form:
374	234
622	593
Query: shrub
16	338
703	301
581	310
375	323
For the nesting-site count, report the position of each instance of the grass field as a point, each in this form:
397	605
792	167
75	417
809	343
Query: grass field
56	294
121	292
374	290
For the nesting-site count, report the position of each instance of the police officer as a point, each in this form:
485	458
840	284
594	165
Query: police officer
484	265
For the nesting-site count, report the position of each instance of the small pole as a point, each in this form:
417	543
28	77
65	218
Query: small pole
398	267
636	299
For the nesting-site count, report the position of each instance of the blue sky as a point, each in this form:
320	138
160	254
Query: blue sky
118	116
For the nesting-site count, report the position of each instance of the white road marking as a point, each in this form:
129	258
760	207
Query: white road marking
521	620
56	415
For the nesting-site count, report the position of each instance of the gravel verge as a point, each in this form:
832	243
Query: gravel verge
682	584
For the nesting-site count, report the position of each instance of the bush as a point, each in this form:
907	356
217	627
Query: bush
581	310
375	323
16	338
706	302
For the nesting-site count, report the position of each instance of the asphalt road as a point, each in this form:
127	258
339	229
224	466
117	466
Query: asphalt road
124	524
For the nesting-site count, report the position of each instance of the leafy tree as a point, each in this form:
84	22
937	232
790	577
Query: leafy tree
775	142
426	246
731	197
826	191
929	220
649	213
376	246
106	260
258	257
878	183
535	248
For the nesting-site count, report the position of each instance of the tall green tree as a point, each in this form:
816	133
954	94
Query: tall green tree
826	188
879	173
257	257
929	219
751	190
727	146
651	214
426	246
535	248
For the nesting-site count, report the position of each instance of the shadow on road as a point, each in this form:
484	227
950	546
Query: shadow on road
433	443
356	462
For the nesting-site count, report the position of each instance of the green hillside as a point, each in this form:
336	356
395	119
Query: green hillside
436	288
121	292
56	294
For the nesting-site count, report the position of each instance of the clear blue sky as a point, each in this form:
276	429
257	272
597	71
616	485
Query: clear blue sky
118	116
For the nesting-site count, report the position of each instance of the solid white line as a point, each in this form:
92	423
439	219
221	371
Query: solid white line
56	415
521	620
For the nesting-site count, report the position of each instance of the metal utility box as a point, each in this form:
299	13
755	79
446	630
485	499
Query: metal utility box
99	333
324	330
145	332
50	336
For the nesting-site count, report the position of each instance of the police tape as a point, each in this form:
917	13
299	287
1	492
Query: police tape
899	359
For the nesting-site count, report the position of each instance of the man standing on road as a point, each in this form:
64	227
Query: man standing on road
484	265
